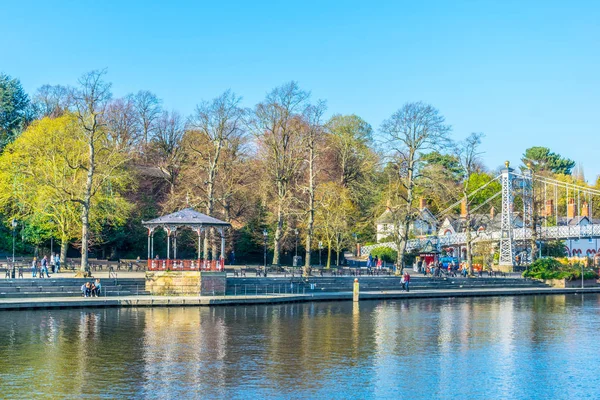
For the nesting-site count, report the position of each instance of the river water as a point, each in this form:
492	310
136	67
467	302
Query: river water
480	348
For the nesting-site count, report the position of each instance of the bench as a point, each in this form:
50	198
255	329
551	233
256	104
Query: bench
131	264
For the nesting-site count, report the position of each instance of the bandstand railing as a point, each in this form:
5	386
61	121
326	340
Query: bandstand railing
186	265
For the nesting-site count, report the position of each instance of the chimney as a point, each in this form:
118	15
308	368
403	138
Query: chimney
549	209
571	209
422	203
463	208
585	209
492	213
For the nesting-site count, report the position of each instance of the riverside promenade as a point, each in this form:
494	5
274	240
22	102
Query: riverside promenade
182	301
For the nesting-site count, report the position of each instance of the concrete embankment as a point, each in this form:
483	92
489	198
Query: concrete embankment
164	301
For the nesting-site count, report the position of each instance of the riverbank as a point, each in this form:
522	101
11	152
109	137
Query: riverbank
187	301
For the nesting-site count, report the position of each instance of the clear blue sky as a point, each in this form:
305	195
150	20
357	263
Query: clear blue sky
523	72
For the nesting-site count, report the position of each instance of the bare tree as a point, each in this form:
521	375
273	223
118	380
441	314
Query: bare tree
468	154
277	123
413	129
217	123
91	99
52	100
121	122
349	142
166	147
148	110
313	137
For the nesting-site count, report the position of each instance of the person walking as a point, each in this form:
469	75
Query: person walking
34	267
57	262
379	262
44	267
406	281
402	283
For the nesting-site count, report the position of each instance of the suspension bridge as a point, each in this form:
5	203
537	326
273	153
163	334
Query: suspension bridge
549	210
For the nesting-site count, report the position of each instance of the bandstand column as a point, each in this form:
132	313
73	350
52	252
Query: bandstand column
149	234
175	245
222	243
199	232
168	244
152	245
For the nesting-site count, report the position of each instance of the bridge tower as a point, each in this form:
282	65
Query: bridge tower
507	250
528	222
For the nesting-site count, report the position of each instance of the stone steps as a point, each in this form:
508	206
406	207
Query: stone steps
67	287
77	293
339	284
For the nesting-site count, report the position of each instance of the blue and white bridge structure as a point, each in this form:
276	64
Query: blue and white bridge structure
550	197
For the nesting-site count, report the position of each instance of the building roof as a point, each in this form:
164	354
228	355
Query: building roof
424	214
185	217
386	217
562	221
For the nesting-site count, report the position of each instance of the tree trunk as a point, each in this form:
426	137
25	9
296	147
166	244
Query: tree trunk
328	256
408	216
64	246
229	235
85	212
209	233
311	208
468	239
278	232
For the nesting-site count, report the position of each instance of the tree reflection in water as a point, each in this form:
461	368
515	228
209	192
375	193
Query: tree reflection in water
370	349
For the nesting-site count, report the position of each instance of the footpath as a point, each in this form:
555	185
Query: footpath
178	301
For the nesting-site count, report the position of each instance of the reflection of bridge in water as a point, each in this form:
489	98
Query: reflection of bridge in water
549	196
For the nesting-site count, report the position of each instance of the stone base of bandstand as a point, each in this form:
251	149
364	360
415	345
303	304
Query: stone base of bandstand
186	283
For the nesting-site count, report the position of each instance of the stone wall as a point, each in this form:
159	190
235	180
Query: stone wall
564	283
186	283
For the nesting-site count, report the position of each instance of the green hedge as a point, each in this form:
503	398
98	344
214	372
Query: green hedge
551	268
385	253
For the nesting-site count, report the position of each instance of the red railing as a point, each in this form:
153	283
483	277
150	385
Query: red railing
186	265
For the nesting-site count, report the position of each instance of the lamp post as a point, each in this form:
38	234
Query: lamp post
265	236
355	236
14	234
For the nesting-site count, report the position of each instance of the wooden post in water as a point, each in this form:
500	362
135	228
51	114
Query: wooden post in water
355	292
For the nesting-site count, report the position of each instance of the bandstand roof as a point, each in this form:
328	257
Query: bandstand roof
186	217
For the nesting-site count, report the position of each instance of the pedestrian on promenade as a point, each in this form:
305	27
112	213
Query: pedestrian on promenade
402	283
34	267
379	262
406	280
369	261
57	262
44	267
97	288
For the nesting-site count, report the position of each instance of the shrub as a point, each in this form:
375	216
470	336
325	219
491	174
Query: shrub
387	254
552	268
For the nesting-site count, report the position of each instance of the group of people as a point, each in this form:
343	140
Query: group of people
374	262
91	289
42	266
436	269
